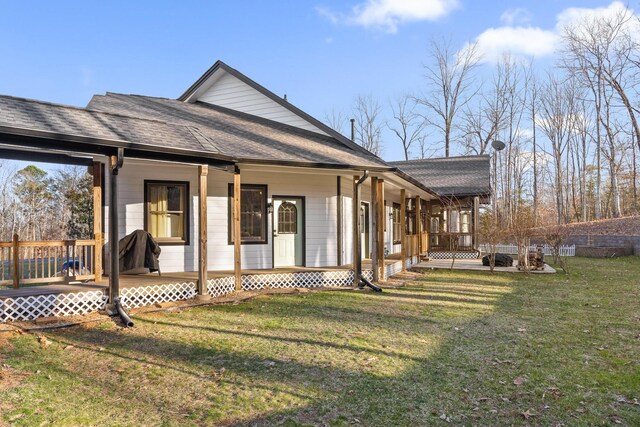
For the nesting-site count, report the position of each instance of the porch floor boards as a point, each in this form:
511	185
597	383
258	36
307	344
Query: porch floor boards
142	280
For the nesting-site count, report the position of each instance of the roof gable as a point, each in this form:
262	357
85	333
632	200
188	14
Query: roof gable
226	87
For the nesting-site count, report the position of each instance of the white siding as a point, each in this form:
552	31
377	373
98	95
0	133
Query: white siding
320	196
319	192
131	208
232	93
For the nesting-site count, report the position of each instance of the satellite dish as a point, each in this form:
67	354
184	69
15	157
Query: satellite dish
497	145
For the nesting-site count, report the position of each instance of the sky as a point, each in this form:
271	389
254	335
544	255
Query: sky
321	53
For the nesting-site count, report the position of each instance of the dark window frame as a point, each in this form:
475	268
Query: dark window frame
265	215
187	215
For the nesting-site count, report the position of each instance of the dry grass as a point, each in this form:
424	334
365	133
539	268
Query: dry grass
453	347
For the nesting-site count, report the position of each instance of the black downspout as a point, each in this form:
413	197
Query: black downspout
357	253
357	261
115	307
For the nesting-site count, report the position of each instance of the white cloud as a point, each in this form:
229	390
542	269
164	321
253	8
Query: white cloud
387	15
520	41
517	16
519	38
573	15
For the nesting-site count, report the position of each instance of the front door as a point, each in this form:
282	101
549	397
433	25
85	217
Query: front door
288	232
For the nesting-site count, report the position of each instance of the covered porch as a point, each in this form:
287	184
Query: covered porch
65	299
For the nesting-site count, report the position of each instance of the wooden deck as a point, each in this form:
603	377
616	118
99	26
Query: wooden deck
142	280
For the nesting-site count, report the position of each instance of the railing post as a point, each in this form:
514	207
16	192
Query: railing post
403	229
237	250
97	220
16	257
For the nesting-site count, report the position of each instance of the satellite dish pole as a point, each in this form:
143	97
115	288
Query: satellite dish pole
497	146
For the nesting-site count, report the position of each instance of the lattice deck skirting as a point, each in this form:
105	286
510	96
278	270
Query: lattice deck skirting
34	307
221	286
149	295
449	255
300	279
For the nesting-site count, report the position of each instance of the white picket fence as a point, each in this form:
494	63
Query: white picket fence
565	250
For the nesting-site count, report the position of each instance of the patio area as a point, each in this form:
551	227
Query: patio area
474	265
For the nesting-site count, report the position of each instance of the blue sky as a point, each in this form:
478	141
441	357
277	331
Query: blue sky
320	53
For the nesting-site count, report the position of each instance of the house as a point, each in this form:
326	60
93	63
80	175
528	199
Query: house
462	184
241	189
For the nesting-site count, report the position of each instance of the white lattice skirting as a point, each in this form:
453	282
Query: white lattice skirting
78	303
301	279
450	254
148	295
221	286
34	307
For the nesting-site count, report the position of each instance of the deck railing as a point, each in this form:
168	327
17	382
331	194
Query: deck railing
451	242
565	250
49	261
414	241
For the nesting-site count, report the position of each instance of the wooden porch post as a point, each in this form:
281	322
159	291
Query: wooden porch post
203	172
476	219
375	225
16	261
339	220
403	228
97	220
357	251
418	226
237	254
381	224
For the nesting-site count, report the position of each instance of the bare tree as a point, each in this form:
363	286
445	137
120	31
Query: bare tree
557	105
408	125
450	83
491	234
483	122
369	123
337	121
601	50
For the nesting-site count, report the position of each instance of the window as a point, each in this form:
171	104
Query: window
287	218
395	213
167	215
253	213
465	221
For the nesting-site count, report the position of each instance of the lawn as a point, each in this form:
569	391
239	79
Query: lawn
450	348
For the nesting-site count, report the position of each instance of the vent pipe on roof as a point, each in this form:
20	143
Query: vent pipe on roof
285	97
353	130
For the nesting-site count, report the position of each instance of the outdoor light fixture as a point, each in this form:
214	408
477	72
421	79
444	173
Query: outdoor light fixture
270	208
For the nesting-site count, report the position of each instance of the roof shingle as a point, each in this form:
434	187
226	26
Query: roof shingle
451	176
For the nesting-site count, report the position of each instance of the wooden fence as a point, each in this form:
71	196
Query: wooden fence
49	261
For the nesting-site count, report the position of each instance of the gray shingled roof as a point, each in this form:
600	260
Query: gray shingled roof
239	135
27	114
451	176
201	129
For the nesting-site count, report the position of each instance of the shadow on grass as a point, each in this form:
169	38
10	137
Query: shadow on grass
448	379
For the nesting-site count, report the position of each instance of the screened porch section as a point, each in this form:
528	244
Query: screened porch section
451	228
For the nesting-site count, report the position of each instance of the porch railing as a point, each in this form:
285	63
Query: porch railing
49	261
413	243
451	242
